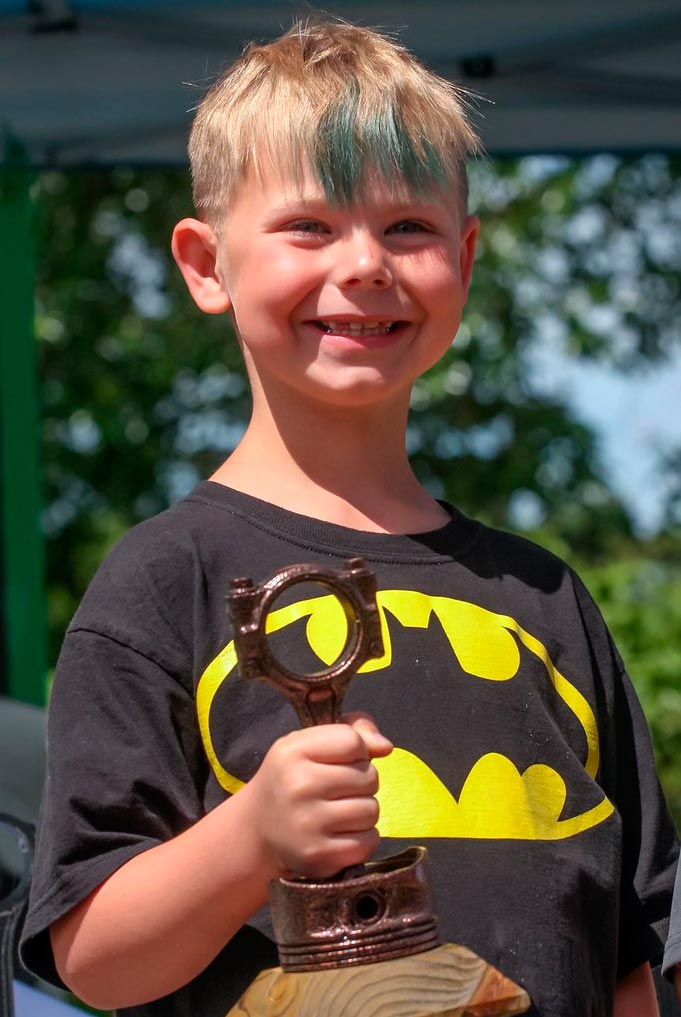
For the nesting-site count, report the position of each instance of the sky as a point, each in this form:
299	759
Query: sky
637	418
636	414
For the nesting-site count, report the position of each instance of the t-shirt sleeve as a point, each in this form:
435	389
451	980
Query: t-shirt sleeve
121	776
649	844
672	950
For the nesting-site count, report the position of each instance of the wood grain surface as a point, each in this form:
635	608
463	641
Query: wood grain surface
448	981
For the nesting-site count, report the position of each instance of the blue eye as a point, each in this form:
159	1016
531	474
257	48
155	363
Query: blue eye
306	226
408	226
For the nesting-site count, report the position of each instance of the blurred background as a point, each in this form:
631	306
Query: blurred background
556	412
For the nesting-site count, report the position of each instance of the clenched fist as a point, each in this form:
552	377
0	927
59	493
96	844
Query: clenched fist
313	798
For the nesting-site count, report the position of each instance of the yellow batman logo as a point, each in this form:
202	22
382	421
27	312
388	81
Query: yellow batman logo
496	801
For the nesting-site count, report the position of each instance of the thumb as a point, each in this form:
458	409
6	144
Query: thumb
377	744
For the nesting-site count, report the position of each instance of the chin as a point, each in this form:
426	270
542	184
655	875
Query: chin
360	392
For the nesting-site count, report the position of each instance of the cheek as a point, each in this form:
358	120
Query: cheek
443	297
285	283
435	275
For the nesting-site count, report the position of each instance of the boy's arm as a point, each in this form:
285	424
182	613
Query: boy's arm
635	995
161	918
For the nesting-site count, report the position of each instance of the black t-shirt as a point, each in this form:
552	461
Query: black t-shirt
522	758
672	950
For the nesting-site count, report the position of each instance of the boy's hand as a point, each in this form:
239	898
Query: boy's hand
313	797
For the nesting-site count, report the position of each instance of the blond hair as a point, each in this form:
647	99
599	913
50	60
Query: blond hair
344	101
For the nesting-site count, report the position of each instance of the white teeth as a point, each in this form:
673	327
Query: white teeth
357	328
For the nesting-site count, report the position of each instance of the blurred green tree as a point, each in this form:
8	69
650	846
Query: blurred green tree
640	595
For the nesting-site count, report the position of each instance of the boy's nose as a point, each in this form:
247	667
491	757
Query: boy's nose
363	264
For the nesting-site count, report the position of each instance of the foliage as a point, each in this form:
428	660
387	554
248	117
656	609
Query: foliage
641	600
142	395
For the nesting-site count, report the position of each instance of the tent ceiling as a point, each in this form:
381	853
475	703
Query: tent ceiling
108	83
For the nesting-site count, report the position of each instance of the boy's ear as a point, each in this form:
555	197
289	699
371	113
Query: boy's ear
195	249
469	236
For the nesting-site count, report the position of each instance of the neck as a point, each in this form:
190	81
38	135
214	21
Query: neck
346	465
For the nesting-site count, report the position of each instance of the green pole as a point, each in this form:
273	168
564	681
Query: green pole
23	599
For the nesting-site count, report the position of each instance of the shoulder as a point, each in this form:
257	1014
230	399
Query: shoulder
161	546
150	581
539	584
171	547
510	555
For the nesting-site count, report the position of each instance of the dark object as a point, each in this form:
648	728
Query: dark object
51	16
316	697
376	912
666	997
371	912
13	897
480	66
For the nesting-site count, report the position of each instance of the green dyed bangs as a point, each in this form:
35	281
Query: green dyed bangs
344	103
350	148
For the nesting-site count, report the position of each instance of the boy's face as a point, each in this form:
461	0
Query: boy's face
348	305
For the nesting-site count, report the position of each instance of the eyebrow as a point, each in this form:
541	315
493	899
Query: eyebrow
317	203
299	203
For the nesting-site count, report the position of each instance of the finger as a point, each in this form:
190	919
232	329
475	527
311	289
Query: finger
342	852
328	743
350	816
347	780
355	848
377	744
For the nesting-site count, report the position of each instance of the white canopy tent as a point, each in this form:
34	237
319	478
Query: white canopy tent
90	81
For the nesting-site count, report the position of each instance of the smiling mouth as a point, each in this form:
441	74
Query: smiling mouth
357	329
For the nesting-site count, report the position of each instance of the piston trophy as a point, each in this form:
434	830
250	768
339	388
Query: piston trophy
363	943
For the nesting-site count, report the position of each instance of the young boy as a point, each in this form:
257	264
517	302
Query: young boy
329	174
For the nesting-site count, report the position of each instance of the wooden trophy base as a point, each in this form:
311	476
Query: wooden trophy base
447	981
